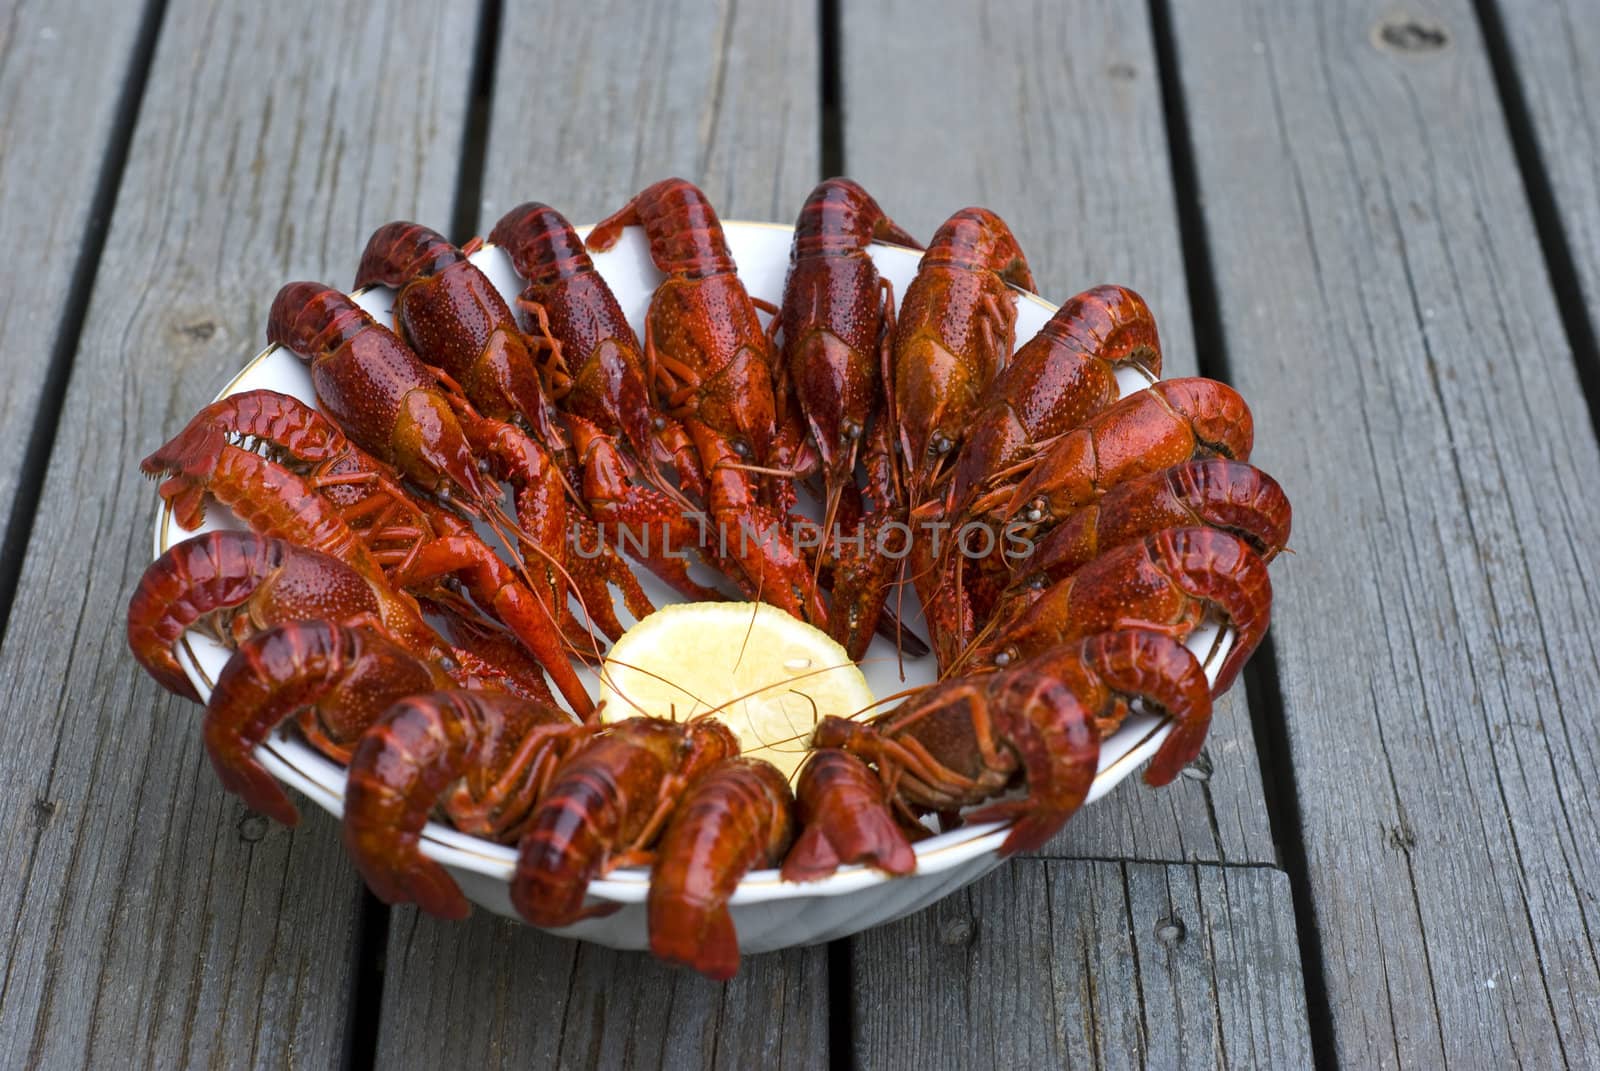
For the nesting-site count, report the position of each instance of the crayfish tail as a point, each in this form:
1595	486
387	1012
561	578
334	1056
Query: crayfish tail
604	234
200	577
187	499
1221	569
813	857
435	892
700	937
870	837
1181	747
844	816
251	782
542	245
401	251
425	883
1031	831
1032	824
887	230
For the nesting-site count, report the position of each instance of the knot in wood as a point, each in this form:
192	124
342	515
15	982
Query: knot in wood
252	827
1200	769
957	932
1409	34
1171	930
199	330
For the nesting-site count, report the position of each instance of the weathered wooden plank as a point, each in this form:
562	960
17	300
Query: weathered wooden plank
64	69
520	998
725	95
152	918
1052	117
628	1011
1384	303
484	992
1555	50
1062	963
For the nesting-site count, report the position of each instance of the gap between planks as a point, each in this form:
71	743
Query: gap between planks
1261	676
1565	280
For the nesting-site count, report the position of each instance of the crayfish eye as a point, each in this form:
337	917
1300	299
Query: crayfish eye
659	423
1037	582
1005	658
448	664
444	492
1036	510
741	448
483	465
852	431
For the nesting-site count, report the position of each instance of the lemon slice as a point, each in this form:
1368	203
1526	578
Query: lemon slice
765	675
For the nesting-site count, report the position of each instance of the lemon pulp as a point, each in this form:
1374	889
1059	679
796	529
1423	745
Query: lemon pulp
767	676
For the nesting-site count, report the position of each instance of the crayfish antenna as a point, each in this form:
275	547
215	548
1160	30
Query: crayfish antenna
830	512
963	660
514	537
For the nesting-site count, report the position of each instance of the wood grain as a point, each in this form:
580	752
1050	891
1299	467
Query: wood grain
726	96
520	998
55	135
151	918
1063	963
1051	116
1383	301
1555	49
1385	305
723	94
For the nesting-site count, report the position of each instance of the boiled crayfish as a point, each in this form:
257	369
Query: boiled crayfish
415	565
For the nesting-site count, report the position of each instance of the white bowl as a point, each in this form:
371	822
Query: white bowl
768	913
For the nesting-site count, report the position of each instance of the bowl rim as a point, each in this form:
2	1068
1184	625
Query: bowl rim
295	763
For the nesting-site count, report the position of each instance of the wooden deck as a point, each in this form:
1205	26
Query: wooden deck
1383	228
